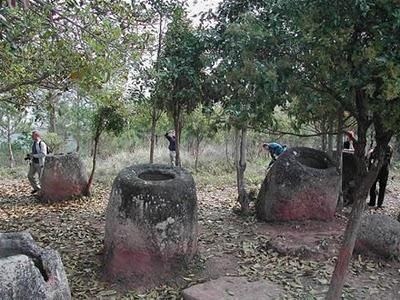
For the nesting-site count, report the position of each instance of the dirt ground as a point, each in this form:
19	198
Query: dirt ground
298	256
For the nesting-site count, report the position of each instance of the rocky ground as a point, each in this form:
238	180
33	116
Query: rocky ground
299	256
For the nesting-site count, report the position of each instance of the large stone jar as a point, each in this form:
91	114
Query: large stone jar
151	225
63	177
302	184
30	272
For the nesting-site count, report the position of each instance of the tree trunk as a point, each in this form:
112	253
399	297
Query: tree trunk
339	157
178	128
240	161
52	112
90	181
197	152
154	117
153	132
323	142
9	144
228	160
330	139
78	144
12	3
365	178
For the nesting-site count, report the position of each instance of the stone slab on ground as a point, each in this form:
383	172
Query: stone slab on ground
233	288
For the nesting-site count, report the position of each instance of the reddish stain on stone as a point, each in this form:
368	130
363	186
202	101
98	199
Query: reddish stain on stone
137	268
57	189
308	204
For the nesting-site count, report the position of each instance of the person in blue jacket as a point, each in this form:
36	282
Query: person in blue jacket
274	150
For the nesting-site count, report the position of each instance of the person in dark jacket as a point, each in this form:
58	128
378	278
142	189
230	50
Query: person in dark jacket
382	178
170	135
348	144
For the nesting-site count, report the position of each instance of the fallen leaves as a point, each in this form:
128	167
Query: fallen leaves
76	229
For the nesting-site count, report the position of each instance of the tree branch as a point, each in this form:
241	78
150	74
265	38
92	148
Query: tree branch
12	86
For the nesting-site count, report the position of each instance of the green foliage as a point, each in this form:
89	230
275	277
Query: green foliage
203	124
53	46
178	81
110	118
246	78
53	141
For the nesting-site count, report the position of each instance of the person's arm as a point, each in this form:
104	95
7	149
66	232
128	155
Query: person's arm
168	136
272	154
43	151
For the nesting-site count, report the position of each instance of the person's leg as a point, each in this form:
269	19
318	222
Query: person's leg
372	194
172	157
32	176
383	178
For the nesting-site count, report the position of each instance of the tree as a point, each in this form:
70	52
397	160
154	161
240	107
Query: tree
11	122
53	45
244	77
345	53
110	116
164	10
178	83
202	124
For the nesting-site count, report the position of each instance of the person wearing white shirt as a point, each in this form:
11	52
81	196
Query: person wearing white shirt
38	156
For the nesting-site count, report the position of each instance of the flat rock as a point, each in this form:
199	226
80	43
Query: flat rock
233	288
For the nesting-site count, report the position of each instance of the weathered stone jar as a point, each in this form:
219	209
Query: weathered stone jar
302	184
151	225
64	176
30	272
379	235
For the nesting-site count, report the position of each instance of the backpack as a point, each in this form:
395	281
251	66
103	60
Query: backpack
49	151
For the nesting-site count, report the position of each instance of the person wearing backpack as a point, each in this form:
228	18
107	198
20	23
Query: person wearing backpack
37	158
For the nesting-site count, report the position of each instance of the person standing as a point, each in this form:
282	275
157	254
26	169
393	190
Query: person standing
382	178
170	135
37	157
348	144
